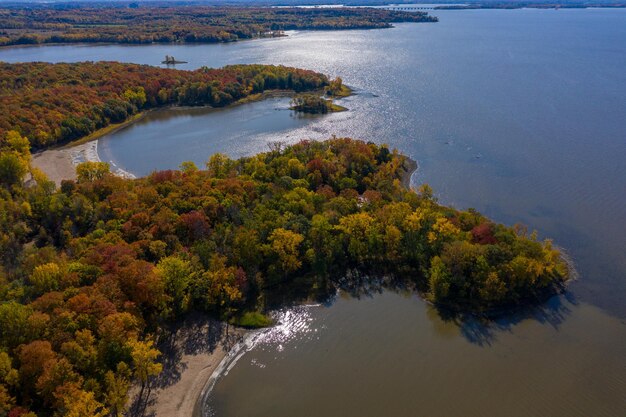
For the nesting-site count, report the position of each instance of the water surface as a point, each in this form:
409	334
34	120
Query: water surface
391	355
172	136
518	113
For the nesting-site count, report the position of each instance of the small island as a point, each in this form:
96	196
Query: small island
337	89
314	104
170	60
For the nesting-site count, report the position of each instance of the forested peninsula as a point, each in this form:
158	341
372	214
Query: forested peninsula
91	271
148	24
59	103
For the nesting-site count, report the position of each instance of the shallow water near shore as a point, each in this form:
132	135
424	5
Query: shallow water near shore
391	354
518	113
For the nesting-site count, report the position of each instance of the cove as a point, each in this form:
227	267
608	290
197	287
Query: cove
171	136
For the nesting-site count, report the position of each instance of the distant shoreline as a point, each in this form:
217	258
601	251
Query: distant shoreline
522	5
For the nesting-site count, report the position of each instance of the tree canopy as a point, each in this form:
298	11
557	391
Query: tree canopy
148	24
92	270
50	103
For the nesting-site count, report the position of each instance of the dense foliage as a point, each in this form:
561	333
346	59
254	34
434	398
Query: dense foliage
182	24
90	270
50	103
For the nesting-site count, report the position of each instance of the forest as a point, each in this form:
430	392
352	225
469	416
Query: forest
146	24
52	103
92	270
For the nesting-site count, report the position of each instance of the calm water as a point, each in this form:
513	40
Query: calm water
520	114
392	355
168	137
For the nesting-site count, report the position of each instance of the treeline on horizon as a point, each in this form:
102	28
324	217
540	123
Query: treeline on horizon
53	103
65	4
90	272
149	24
496	4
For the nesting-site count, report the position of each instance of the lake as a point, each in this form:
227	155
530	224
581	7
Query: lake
392	355
520	114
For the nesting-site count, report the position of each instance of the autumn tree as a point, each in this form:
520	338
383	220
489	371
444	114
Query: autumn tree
285	245
177	275
144	361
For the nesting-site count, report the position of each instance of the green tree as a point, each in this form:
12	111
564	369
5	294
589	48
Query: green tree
438	280
177	274
219	165
188	167
12	168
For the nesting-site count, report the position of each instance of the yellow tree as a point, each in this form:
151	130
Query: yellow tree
45	277
145	364
6	401
90	171
221	281
285	244
17	143
117	385
362	233
12	168
79	403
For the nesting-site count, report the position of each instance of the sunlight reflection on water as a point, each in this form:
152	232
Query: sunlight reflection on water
293	324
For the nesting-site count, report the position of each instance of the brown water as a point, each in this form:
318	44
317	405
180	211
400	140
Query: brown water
390	354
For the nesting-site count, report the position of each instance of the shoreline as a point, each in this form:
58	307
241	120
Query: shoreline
194	353
59	162
230	359
409	171
105	43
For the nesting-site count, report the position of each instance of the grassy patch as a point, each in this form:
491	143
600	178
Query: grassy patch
252	320
336	108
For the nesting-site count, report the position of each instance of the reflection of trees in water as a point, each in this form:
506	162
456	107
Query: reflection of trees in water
479	330
483	331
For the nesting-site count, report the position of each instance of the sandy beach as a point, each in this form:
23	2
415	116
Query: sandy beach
60	164
192	351
56	164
